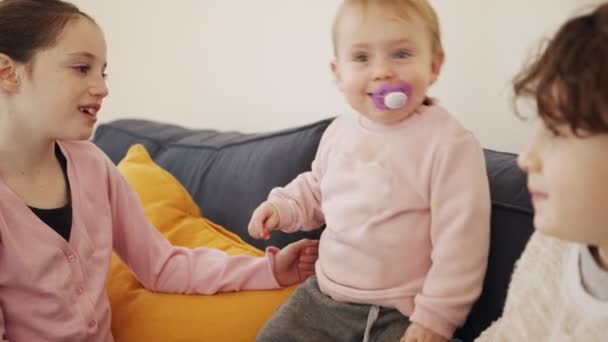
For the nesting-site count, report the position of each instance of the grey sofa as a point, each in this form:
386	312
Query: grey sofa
229	173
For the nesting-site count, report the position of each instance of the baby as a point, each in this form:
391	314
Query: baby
400	185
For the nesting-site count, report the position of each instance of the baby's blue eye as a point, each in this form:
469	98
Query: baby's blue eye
360	58
402	54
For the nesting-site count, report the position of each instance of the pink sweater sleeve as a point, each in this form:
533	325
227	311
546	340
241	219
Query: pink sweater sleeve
161	267
3	337
299	202
460	215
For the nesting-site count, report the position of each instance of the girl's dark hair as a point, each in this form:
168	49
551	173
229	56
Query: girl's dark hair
569	80
30	25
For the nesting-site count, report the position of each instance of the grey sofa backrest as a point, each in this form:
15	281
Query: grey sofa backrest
229	173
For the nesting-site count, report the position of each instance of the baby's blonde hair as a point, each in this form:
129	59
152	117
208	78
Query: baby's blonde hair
402	9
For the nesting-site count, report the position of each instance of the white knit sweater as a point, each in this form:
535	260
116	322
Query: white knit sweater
546	299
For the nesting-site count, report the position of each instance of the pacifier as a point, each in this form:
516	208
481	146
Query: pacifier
388	96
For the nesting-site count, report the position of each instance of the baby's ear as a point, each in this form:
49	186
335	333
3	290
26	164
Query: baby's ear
436	63
336	72
9	80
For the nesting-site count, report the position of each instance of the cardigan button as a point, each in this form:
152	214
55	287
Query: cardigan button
71	257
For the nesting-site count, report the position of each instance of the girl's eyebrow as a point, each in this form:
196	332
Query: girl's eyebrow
86	55
83	54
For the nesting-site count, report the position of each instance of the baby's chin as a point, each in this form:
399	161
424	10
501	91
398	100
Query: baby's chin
389	117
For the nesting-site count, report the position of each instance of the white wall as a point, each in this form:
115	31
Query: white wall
263	65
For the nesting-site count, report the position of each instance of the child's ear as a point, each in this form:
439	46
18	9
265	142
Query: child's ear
336	72
436	64
9	80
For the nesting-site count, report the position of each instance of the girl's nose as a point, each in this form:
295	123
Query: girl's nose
528	160
99	88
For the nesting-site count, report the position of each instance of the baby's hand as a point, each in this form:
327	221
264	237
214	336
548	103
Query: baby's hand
265	219
418	333
296	262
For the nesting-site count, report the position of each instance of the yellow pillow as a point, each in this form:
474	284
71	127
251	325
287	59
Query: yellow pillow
140	315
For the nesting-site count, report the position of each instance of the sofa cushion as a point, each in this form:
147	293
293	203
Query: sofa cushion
227	173
141	315
240	169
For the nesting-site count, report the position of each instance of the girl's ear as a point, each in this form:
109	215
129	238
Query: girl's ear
9	80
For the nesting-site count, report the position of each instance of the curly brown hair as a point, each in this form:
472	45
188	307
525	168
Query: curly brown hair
569	80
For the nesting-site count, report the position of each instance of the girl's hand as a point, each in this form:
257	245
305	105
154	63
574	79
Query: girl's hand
265	219
296	262
418	333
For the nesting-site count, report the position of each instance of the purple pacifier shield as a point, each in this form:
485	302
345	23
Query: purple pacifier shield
378	95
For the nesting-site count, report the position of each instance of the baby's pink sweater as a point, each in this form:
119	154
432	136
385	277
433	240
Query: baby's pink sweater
407	208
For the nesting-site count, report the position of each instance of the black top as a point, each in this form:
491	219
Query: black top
60	219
